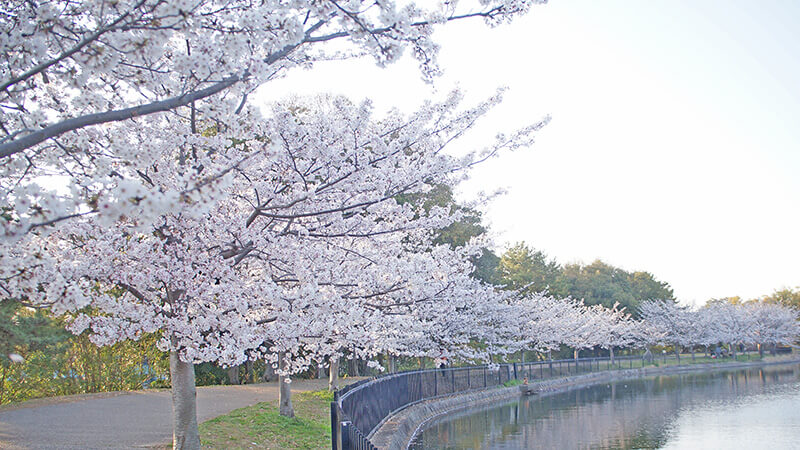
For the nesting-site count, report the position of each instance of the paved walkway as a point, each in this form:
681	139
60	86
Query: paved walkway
138	419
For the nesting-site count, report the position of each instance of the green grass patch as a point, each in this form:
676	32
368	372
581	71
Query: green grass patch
261	426
512	382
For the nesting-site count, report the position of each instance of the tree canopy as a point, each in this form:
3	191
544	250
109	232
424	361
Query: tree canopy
785	296
524	268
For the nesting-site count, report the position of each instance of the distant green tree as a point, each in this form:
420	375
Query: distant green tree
524	268
486	267
27	332
57	362
24	330
785	296
644	286
529	270
598	283
601	283
458	233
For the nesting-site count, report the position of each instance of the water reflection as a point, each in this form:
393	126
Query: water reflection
747	409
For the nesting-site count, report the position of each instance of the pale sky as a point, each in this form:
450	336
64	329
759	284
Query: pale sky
673	146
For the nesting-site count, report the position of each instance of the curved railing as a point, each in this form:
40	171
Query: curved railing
360	408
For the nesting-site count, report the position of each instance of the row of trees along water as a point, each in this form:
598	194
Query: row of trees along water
146	200
57	362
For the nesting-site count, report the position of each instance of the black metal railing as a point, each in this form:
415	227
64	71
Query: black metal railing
358	409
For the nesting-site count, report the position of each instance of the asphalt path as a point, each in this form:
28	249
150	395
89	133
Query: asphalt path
138	419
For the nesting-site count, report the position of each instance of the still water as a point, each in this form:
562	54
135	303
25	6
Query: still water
743	409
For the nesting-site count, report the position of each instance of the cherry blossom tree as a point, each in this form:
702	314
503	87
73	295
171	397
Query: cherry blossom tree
616	328
707	333
671	322
95	94
79	80
137	109
295	256
772	324
546	321
753	323
644	336
732	323
586	331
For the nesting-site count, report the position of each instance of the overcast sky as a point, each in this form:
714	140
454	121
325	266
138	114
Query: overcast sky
673	146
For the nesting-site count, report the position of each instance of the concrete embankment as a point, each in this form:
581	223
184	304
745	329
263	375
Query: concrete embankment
399	429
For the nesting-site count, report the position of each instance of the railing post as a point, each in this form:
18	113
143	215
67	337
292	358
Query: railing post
345	436
484	376
421	394
334	427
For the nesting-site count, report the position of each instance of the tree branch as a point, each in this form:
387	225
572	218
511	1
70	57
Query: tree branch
88	40
75	123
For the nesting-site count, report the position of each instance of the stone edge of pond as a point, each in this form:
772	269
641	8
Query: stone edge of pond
398	430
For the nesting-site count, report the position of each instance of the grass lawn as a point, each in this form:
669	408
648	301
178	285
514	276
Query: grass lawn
260	425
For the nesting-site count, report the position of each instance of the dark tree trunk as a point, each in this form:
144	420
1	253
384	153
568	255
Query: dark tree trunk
269	372
185	435
251	373
333	374
352	365
285	391
233	375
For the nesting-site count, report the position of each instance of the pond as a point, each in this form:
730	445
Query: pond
741	409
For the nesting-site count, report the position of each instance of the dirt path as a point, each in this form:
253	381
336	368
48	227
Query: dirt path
137	419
